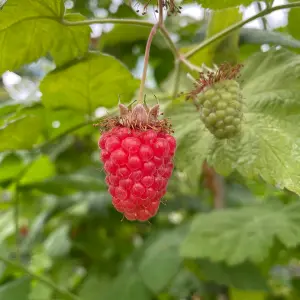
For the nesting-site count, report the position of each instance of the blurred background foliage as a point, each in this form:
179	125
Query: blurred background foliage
58	230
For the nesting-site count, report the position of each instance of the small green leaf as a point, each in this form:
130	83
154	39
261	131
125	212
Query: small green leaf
236	294
10	166
21	133
96	81
162	252
30	29
17	289
41	169
58	243
236	235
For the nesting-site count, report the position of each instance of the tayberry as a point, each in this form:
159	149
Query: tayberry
138	164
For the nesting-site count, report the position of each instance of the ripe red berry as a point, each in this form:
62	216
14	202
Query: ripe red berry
137	158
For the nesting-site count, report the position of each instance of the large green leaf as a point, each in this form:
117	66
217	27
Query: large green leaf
244	276
94	287
162	252
127	286
238	235
269	144
31	29
18	289
95	81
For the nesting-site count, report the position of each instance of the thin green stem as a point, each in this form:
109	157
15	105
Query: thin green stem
62	292
263	19
108	20
240	24
16	221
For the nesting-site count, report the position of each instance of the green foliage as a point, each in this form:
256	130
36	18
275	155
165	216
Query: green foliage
18	289
236	235
220	4
268	145
31	29
98	88
60	237
15	134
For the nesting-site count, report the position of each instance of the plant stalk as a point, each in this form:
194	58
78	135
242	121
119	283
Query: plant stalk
146	63
63	293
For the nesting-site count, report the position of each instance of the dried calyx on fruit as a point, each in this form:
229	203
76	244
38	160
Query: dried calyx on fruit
218	96
169	5
137	150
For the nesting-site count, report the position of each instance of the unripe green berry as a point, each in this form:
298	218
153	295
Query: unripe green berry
220	98
222	108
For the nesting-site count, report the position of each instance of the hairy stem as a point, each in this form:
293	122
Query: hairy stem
240	24
146	63
160	13
62	292
109	21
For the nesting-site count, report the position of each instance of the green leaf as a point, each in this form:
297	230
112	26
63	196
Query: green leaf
17	289
223	49
243	276
260	37
73	41
124	34
236	294
21	133
236	235
162	252
96	81
83	180
226	49
31	29
95	287
127	286
269	144
293	21
219	4
41	169
10	166
58	243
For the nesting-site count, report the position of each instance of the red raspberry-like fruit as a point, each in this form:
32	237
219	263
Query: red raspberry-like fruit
137	151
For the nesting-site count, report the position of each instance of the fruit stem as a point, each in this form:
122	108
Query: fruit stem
159	24
146	62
